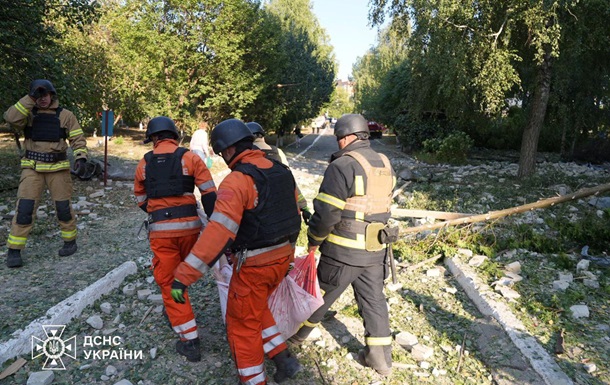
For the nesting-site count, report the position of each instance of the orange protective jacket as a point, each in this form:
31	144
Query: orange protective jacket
236	193
191	165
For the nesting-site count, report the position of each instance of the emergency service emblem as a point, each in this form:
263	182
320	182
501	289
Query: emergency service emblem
53	347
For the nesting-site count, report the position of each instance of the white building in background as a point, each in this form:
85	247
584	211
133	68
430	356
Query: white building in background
347	86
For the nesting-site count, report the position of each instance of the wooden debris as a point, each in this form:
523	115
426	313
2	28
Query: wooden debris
559	349
400	189
146	314
461	354
13	368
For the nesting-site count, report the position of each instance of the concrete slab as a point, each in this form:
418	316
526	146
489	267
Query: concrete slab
481	294
65	311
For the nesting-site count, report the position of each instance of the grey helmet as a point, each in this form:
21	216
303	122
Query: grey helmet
159	124
227	133
41	87
351	124
255	128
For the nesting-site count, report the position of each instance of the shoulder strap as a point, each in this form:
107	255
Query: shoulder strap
361	160
148	156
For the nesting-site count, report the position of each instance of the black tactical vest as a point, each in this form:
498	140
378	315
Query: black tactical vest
164	176
45	127
276	218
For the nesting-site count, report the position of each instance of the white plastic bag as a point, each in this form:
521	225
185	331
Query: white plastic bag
290	305
223	272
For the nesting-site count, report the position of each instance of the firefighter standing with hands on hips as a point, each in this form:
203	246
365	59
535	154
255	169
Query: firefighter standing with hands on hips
351	211
164	182
257	217
47	130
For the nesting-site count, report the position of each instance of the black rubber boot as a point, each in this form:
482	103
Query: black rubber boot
13	258
189	349
300	336
68	248
287	366
378	358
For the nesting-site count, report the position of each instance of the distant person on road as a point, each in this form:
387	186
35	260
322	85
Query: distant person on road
326	121
277	154
260	234
280	136
163	186
48	128
351	212
200	145
259	142
298	134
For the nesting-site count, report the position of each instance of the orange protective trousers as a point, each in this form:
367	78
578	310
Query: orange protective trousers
251	328
168	253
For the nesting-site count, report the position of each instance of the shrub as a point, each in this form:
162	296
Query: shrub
412	133
453	148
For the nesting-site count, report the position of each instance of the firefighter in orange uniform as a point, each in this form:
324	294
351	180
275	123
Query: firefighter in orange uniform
164	183
257	217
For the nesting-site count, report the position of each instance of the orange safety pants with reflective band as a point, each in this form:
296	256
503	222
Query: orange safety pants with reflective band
251	329
168	253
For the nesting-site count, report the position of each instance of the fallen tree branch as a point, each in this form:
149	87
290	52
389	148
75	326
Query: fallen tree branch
398	213
320	371
510	211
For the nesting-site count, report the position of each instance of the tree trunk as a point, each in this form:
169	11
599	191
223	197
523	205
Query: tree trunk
531	133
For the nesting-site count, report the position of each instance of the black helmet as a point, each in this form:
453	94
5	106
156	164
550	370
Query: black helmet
255	128
41	87
350	124
227	133
159	124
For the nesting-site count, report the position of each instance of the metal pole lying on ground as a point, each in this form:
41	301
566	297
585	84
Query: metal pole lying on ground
510	211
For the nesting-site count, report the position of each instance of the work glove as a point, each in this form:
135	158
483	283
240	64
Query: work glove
80	167
178	290
306	215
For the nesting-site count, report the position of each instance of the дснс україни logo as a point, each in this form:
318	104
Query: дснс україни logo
53	347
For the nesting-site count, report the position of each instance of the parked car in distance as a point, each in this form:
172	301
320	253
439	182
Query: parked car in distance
376	129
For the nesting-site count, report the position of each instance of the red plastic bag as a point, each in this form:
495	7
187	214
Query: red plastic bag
297	297
305	274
